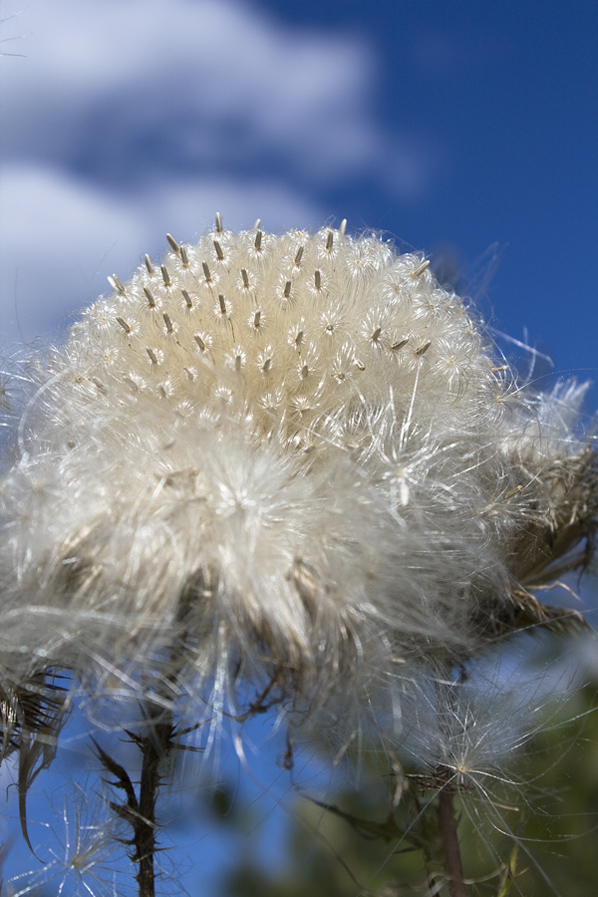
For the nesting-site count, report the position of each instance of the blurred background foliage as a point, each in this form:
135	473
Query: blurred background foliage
358	850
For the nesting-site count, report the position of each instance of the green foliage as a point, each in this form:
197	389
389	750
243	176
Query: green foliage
538	838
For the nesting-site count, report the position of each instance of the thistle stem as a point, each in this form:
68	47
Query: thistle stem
450	840
154	744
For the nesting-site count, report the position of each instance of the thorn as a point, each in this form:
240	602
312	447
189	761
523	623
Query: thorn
168	322
152	355
399	345
343	227
148	264
218	248
165	275
299	256
329	241
206	272
200	342
184	257
420	270
149	297
218	223
116	284
256	319
317	279
423	349
245	278
126	327
287	289
258	241
222	303
173	243
187	299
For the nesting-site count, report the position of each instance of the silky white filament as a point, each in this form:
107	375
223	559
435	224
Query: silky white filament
290	459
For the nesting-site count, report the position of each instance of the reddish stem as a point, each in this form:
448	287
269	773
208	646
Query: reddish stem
450	840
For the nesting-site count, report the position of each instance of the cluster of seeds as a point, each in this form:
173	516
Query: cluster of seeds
294	457
279	325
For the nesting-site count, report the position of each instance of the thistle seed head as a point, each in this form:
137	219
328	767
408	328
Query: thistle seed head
294	458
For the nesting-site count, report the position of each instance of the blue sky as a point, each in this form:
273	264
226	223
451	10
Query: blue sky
468	130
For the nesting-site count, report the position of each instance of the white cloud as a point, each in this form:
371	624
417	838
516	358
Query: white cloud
127	118
150	66
60	238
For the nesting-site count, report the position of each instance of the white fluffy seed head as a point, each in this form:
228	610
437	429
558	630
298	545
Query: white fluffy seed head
293	457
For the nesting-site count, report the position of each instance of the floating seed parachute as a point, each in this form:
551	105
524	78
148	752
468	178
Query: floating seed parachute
292	460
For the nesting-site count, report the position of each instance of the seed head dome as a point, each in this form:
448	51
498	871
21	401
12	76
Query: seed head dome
292	457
